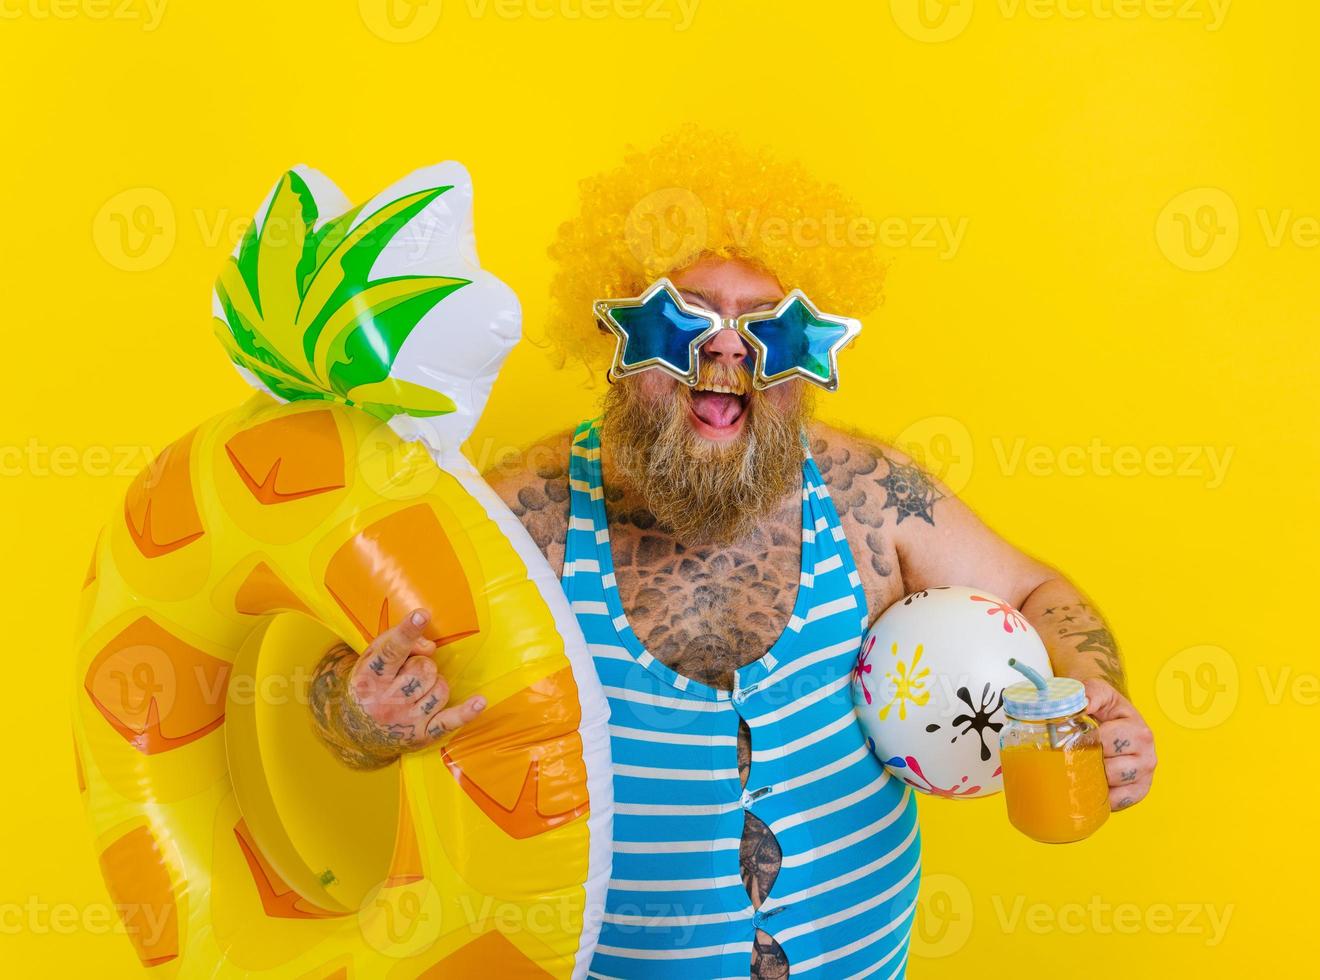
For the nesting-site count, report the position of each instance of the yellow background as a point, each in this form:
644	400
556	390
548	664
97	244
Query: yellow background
1135	181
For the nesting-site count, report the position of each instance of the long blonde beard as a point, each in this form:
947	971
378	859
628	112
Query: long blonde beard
705	492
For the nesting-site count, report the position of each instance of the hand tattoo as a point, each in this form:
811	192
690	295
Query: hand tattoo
1120	744
341	724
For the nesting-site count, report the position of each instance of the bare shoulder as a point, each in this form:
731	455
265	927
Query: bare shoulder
873	482
882	497
534	485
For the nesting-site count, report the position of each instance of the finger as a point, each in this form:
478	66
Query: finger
396	644
1104	702
1123	737
1126	770
446	721
386	655
415	678
1122	797
435	698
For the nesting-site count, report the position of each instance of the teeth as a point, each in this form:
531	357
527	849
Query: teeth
720	389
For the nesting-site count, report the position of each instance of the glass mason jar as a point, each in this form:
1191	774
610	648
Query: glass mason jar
1054	771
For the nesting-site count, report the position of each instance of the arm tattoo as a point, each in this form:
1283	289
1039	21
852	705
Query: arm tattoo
1082	625
1101	642
854	474
355	739
909	491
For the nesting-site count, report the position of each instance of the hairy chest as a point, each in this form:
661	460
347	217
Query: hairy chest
707	611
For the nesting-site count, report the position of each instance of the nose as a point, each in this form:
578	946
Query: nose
725	347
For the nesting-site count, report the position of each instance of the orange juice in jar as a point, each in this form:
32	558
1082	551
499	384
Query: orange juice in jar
1054	771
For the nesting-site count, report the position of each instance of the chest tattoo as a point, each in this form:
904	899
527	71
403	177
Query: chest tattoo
706	611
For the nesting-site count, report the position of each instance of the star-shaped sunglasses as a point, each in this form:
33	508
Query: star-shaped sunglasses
659	329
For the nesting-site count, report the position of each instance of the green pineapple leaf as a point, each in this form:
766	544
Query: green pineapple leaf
302	314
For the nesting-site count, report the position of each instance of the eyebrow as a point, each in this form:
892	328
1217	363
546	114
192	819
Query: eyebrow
704	297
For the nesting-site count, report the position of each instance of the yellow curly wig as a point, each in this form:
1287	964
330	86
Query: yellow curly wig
695	194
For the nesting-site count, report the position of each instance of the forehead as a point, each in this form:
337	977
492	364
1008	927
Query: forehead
729	280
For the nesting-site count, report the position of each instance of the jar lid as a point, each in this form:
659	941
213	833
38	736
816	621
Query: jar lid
1062	696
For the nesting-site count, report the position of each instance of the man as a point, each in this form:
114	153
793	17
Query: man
724	553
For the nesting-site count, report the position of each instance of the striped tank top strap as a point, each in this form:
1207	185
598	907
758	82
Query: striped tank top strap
584	518
833	540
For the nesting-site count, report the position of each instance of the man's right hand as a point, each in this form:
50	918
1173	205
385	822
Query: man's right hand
372	708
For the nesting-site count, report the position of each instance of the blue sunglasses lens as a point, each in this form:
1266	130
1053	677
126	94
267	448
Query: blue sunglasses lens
658	330
796	339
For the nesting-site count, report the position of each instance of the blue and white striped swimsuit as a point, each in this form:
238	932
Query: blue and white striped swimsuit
843	901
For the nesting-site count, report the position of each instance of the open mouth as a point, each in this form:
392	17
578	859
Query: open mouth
718	409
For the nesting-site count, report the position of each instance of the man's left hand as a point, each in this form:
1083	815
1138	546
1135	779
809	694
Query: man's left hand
1128	742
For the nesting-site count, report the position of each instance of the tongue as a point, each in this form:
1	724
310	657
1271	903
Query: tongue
716	409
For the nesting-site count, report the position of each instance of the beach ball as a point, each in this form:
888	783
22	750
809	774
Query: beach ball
929	684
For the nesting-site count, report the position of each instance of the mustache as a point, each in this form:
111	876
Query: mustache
723	374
